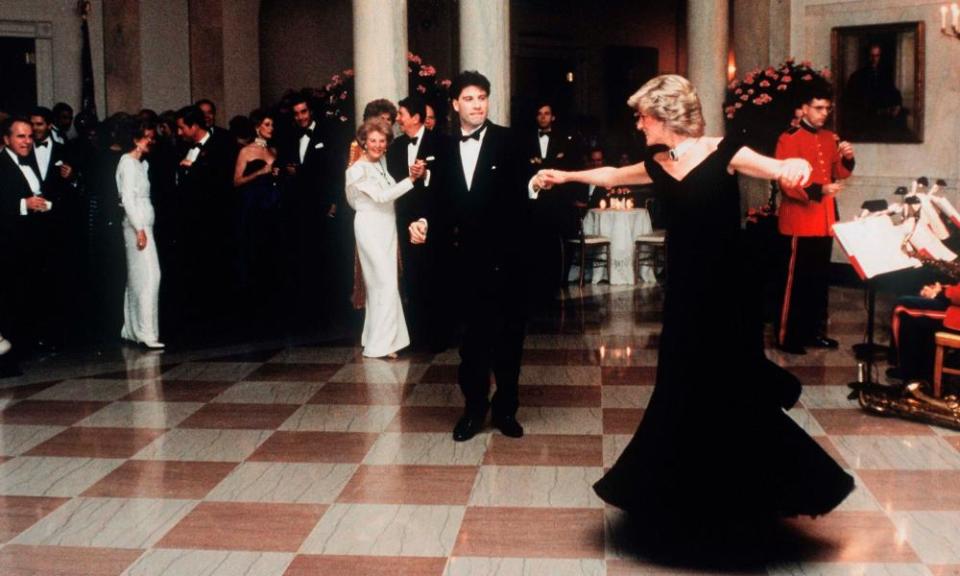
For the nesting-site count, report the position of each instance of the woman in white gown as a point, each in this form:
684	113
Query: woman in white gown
371	192
141	298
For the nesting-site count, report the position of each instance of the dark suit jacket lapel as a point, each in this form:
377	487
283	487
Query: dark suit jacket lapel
461	180
483	160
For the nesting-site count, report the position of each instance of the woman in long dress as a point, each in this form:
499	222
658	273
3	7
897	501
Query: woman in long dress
715	447
140	301
371	191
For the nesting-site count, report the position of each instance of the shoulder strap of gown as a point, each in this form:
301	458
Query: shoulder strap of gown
728	148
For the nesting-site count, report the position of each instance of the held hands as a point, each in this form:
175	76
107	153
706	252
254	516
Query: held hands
846	149
418	170
931	290
547	179
141	240
418	232
36	204
794	172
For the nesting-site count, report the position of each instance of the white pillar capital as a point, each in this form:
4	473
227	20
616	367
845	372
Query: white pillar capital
379	51
485	47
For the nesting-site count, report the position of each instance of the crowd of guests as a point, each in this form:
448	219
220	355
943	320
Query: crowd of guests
250	226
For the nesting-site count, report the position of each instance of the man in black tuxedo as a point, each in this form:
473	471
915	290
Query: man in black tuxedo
209	110
22	206
204	211
312	187
423	287
485	212
62	122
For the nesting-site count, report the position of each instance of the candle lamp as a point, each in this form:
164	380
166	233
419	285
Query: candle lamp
951	28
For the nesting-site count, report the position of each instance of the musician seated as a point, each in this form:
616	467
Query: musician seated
916	319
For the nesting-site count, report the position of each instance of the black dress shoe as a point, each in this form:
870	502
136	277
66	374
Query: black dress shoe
509	427
823	342
466	428
792	348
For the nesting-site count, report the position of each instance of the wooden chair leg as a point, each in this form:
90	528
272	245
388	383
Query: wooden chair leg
937	371
583	263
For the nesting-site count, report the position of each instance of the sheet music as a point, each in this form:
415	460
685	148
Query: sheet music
946	208
924	239
873	245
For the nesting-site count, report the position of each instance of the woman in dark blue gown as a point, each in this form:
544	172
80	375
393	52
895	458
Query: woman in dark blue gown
715	446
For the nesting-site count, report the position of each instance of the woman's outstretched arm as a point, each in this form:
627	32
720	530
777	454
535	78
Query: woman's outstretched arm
605	177
790	172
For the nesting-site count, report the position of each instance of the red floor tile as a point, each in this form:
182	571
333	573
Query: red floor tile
898	490
56	413
446	485
333	447
628	375
178	391
252	356
17	513
542	357
17	560
244	526
560	396
844	422
294	372
531	533
621	420
25	391
366	394
240	416
825	375
944	569
365	566
440	374
545	450
854	537
161	479
97	442
425	419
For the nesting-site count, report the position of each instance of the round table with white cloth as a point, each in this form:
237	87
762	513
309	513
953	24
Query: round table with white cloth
622	228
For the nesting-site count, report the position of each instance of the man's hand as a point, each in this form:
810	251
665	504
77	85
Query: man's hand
418	170
66	171
332	211
846	149
832	188
418	232
931	290
141	239
794	172
36	204
547	179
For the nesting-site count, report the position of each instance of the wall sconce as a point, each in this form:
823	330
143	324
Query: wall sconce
954	29
569	77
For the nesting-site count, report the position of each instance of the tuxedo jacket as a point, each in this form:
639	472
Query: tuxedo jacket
209	179
314	186
563	153
488	222
421	202
13	188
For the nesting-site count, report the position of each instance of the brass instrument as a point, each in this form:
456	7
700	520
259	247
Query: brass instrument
911	400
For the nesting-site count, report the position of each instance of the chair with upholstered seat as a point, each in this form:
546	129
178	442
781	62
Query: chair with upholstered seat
590	248
944	341
650	249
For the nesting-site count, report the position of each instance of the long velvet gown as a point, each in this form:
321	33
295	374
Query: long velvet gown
715	444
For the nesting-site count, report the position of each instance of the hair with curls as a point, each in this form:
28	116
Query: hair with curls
468	78
130	129
375	124
673	100
378	107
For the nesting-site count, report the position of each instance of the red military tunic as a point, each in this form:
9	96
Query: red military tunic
800	212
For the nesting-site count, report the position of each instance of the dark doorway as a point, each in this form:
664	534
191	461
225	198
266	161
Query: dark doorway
626	68
543	79
18	93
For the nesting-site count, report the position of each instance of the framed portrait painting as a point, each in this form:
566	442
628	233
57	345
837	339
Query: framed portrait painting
878	82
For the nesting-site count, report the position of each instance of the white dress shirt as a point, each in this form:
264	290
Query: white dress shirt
544	144
43	156
305	141
470	153
194	152
32	180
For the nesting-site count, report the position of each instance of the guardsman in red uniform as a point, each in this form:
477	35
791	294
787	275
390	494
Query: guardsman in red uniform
807	214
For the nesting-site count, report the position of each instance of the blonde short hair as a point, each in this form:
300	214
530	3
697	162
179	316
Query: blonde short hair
672	99
375	124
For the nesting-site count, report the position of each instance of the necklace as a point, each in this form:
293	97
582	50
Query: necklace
680	149
380	169
260	142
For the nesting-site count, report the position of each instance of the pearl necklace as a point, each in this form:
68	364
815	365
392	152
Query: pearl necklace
260	142
682	148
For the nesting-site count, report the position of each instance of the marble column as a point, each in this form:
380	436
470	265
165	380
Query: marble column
707	39
485	47
379	51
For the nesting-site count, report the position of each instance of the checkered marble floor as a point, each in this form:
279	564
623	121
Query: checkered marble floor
273	459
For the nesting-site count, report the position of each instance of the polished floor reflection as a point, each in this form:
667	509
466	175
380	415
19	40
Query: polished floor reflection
303	459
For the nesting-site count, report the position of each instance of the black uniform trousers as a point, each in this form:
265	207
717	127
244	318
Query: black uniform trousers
803	315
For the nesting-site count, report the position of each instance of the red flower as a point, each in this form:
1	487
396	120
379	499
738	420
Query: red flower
786	79
764	84
782	87
744	98
806	77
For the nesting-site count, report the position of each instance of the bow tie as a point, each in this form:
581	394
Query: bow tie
542	133
42	144
475	135
308	132
414	140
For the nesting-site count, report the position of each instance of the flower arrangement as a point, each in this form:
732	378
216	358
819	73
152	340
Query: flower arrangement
336	98
766	101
